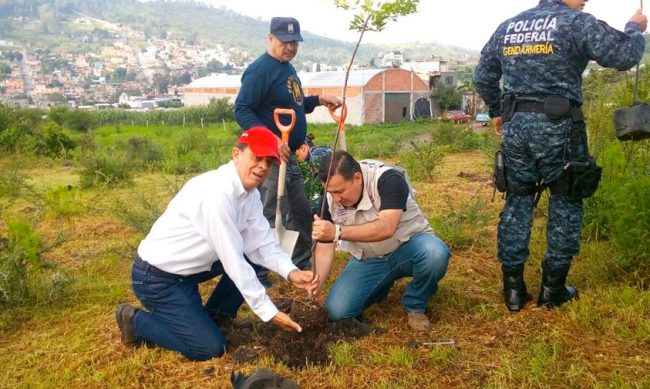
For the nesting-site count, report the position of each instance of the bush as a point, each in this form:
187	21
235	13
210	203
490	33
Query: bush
63	201
463	223
194	140
109	169
219	110
51	141
191	162
13	182
313	186
460	138
139	211
57	114
22	271
15	138
79	121
143	151
620	209
422	160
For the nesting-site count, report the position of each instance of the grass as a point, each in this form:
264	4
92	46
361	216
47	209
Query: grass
602	340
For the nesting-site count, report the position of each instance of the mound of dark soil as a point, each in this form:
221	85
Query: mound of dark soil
296	350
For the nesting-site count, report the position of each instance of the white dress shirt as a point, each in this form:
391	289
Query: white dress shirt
213	218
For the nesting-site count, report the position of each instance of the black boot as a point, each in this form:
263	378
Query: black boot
514	288
553	292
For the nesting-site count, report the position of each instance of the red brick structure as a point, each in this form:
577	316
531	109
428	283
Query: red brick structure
373	95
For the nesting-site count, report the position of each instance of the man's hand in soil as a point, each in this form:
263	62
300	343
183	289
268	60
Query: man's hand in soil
305	279
284	322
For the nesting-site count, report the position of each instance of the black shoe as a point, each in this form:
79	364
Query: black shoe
261	378
124	318
553	291
515	294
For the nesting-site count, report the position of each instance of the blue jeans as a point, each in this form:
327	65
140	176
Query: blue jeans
176	318
366	282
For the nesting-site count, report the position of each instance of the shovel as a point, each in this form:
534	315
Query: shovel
287	238
633	123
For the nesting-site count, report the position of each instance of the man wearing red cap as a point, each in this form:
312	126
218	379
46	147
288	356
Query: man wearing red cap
205	231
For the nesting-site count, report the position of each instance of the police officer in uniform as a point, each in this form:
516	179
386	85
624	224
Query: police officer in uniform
541	55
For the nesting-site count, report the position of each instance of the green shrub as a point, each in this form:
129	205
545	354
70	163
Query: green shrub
51	141
143	151
463	223
13	182
422	159
190	163
57	114
19	261
313	186
63	201
15	138
219	109
23	273
139	212
460	138
79	121
194	140
619	210
104	168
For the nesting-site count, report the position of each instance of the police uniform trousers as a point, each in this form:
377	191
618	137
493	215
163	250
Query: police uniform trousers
535	148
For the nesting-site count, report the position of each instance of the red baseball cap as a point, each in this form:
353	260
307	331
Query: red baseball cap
261	141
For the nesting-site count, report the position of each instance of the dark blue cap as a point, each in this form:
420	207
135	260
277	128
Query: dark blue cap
286	29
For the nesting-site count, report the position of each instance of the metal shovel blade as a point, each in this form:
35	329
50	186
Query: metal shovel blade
286	238
632	123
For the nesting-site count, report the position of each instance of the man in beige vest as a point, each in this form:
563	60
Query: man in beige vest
371	214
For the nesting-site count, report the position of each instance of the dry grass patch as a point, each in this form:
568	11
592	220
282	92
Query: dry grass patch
601	340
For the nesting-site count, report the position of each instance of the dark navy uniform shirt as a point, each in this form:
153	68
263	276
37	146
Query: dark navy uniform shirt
545	50
268	84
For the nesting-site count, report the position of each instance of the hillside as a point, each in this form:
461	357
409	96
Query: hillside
46	22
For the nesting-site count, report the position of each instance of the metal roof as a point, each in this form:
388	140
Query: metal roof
217	81
337	78
308	79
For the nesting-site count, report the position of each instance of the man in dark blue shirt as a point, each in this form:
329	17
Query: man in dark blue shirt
271	82
541	55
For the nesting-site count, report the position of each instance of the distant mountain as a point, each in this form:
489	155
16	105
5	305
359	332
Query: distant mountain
190	21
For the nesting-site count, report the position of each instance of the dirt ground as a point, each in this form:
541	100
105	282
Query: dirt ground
310	347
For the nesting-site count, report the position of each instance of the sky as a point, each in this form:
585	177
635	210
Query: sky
463	23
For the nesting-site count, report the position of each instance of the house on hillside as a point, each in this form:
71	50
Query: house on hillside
392	59
373	95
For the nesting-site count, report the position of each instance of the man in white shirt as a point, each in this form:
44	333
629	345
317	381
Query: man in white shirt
205	231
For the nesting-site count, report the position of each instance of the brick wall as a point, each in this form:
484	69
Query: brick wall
396	80
373	110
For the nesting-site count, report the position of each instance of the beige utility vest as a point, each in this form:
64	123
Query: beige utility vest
411	223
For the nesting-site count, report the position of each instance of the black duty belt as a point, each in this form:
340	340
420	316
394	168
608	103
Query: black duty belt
530	106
